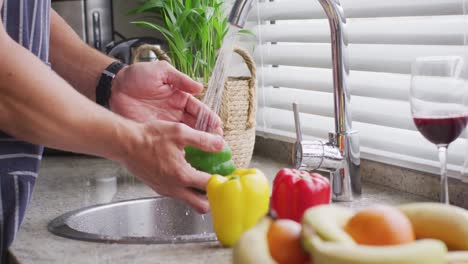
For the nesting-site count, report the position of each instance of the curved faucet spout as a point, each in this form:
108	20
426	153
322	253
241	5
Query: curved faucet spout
239	12
339	40
346	180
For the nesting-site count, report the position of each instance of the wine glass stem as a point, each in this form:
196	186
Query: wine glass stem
444	194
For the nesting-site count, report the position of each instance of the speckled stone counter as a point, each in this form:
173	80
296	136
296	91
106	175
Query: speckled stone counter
73	182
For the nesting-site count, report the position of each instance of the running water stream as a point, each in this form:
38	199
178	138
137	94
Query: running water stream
214	92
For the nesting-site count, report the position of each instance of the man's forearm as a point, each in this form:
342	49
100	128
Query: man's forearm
38	106
73	59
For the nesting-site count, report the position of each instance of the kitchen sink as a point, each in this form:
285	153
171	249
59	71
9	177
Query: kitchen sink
157	220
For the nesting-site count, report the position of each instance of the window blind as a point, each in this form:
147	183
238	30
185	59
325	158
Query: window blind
293	55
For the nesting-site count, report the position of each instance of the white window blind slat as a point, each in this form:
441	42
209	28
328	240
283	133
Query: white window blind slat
440	30
311	9
362	57
364	109
371	84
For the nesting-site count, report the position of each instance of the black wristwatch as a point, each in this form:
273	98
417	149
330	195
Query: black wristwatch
103	90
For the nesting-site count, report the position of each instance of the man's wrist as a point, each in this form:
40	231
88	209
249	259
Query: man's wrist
121	137
103	89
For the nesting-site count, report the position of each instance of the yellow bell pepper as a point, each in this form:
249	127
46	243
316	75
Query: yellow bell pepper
238	202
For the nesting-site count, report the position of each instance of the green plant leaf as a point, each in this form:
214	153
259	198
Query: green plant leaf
170	14
148	6
188	4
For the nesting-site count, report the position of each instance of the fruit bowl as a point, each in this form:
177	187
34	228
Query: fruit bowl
327	236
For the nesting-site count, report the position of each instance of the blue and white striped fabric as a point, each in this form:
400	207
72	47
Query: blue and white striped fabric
28	23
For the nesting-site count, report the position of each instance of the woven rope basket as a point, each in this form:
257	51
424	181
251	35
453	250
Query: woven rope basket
238	108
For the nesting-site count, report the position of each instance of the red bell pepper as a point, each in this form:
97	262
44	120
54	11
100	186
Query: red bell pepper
295	191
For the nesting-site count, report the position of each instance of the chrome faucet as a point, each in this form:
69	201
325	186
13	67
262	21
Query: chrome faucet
340	155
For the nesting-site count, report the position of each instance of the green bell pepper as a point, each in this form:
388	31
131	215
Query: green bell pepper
213	163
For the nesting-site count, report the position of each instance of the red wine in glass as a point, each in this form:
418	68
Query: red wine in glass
438	105
441	130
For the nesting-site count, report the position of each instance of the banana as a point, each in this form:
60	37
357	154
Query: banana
323	236
419	252
252	247
328	222
439	221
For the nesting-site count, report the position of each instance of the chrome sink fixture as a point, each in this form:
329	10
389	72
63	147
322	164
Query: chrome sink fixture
340	155
157	220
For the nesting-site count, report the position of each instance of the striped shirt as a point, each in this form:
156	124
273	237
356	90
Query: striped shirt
28	23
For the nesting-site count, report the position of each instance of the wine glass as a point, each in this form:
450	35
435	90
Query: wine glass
436	96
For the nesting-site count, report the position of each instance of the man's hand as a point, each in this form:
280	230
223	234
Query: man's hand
157	158
145	92
148	93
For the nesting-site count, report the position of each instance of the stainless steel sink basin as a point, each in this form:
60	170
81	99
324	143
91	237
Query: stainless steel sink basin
147	221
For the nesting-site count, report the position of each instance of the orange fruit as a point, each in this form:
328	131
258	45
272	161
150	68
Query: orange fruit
380	226
284	241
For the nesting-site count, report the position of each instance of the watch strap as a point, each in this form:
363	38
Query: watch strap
103	90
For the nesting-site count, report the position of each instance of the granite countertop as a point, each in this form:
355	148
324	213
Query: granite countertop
72	182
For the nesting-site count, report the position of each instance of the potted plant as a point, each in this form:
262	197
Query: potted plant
194	31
